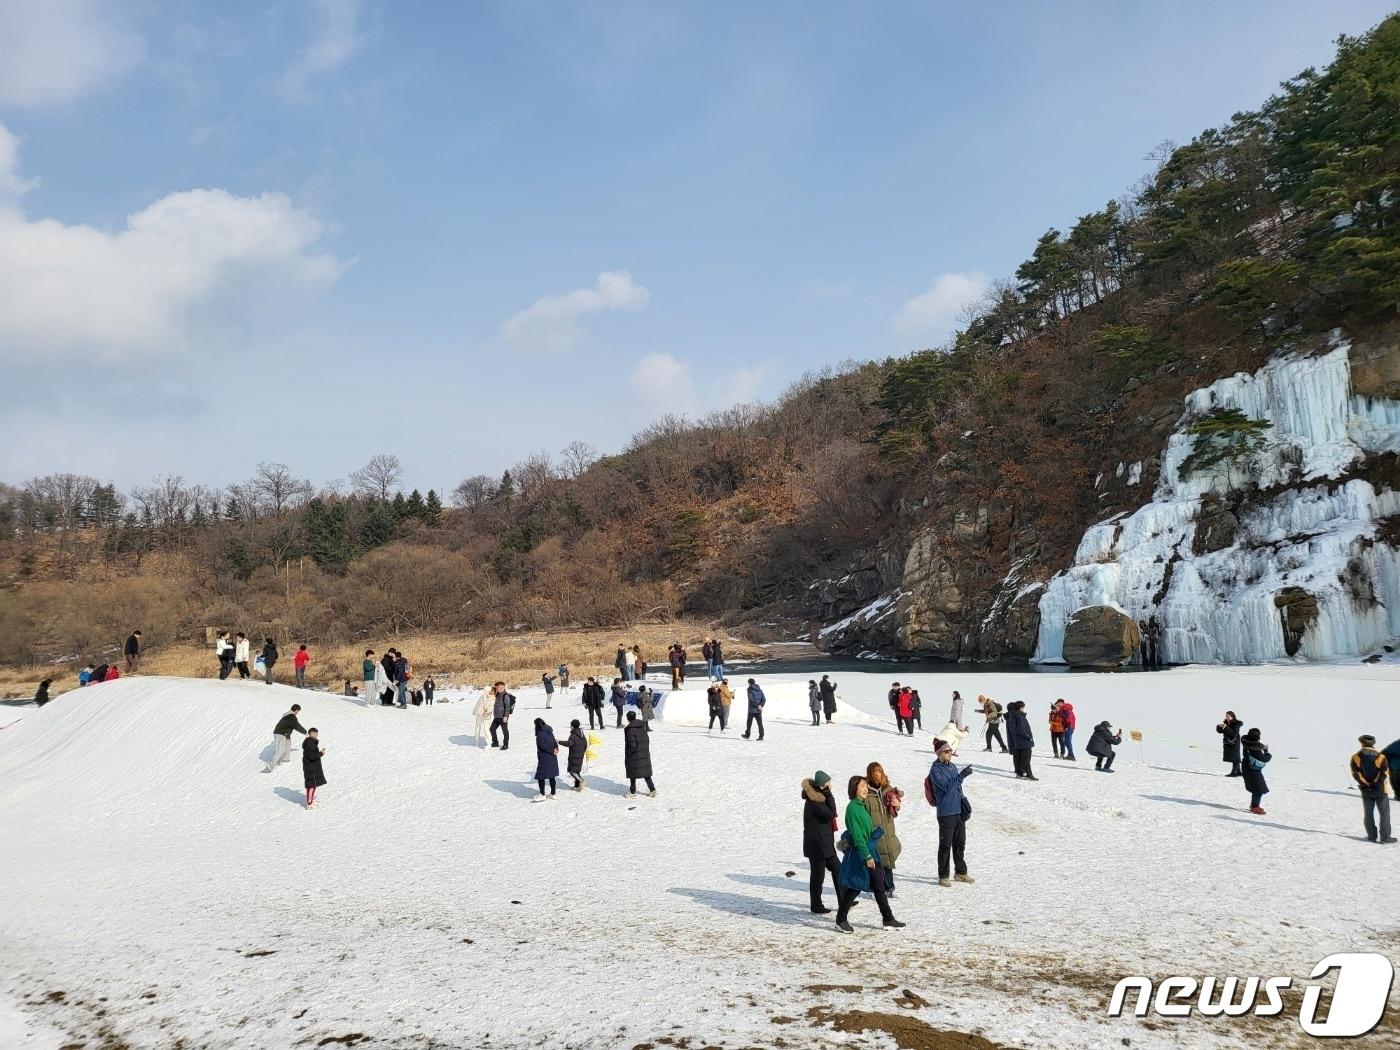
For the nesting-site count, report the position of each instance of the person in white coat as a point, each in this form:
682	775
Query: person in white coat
240	655
485	704
381	682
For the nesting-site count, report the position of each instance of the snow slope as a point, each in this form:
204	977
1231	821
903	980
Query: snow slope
158	890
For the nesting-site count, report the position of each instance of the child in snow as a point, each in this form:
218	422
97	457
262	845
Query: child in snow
578	748
311	754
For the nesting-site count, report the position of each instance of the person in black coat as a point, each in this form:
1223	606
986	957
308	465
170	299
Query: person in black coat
546	758
716	706
269	659
819	838
1020	738
1256	756
1229	730
578	750
41	695
593	701
636	750
311	753
828	691
1101	746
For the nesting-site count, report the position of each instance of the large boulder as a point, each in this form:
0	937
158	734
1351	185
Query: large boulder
1101	636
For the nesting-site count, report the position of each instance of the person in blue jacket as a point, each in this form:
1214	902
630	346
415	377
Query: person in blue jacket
546	759
945	780
756	702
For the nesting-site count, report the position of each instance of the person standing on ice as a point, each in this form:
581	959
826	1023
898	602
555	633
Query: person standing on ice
882	802
676	658
718	650
1256	757
946	785
311	754
367	677
578	751
502	706
546	759
708	652
894	707
1101	747
827	688
1368	769
1229	729
623	663
991	716
756	702
904	710
548	680
916	705
593	702
645	704
223	649
282	737
299	662
860	869
482	712
1021	739
814	701
619	699
716	709
726	701
269	659
819	838
132	651
240	656
1067	742
636	755
563	678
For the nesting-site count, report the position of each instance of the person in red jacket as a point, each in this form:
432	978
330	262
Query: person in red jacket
905	710
1067	741
300	661
112	674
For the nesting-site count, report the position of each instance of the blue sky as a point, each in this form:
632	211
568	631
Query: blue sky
309	231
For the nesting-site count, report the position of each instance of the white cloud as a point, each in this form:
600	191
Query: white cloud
188	270
741	385
938	310
338	37
664	384
56	50
550	323
11	185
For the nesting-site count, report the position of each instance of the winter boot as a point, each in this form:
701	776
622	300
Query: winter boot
945	883
1257	811
963	878
845	927
893	924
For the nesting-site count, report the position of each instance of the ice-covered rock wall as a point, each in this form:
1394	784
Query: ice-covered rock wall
1296	523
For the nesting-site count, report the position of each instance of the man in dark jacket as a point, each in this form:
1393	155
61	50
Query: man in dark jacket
827	689
1101	746
1019	738
1392	760
132	652
619	699
282	737
756	702
269	659
1230	729
501	710
593	701
819	838
636	755
1368	769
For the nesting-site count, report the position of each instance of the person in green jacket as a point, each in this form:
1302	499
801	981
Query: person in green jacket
367	670
859	827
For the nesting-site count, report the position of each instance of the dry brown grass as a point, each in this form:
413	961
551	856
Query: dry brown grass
516	658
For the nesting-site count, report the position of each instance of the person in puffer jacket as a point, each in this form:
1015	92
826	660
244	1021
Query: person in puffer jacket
1101	746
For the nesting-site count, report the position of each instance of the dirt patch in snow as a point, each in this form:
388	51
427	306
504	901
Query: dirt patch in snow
908	1032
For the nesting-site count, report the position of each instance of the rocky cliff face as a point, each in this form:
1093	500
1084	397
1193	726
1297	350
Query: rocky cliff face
1291	552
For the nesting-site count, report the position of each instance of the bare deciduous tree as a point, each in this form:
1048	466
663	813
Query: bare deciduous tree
379	477
578	456
277	489
472	492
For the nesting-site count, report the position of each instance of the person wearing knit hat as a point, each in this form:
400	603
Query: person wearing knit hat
819	837
1256	756
1369	768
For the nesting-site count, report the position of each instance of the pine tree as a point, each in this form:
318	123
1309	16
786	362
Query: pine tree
433	508
415	507
400	507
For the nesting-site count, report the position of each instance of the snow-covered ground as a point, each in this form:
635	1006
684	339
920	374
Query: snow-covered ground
157	889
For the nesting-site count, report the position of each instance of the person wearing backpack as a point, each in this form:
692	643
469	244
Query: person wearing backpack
1369	768
1101	747
501	710
1256	756
991	714
945	784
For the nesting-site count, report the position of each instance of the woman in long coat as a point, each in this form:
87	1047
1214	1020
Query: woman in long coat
636	751
546	759
882	803
311	752
1229	729
578	748
819	837
1020	738
1256	756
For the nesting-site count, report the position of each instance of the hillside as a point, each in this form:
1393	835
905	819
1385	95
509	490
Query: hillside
948	504
165	891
